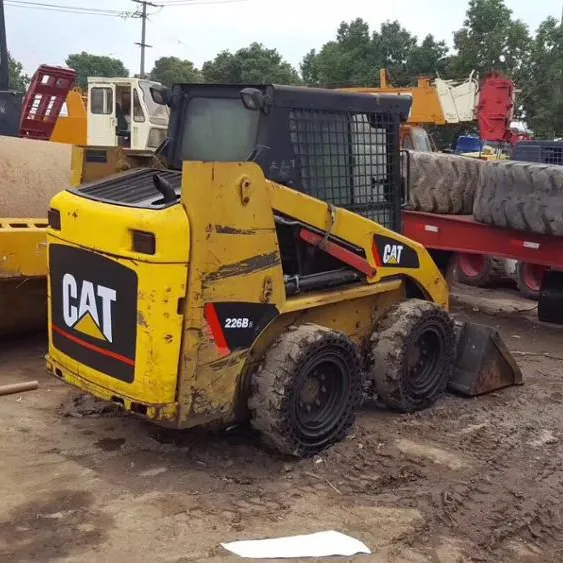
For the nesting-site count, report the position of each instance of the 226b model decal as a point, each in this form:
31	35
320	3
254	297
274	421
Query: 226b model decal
391	253
235	326
240	322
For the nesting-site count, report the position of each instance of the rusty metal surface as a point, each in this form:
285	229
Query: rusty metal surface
484	363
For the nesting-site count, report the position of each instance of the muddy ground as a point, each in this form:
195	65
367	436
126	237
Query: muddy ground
468	480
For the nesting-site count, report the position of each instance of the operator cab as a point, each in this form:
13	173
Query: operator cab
342	148
122	112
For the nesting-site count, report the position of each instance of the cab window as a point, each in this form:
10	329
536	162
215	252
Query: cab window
101	100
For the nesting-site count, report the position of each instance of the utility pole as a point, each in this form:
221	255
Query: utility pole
143	43
4	62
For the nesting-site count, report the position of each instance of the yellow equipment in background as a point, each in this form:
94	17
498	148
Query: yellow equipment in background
259	275
72	127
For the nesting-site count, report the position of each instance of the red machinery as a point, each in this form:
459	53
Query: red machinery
447	235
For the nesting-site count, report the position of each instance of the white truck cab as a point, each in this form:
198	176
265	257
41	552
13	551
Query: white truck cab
121	112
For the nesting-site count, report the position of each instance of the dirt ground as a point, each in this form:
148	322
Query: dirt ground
468	480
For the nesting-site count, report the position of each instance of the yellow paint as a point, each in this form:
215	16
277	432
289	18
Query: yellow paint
72	128
88	326
220	244
426	106
22	248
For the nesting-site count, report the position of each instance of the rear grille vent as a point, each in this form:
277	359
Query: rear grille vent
134	188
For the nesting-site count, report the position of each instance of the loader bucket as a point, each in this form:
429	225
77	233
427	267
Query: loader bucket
483	363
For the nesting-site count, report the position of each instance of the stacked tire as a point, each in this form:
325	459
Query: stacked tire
448	184
522	196
442	183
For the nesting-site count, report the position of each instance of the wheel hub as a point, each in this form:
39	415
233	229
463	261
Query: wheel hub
310	391
319	397
422	359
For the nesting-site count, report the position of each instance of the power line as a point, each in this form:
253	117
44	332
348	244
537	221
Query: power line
44	6
178	3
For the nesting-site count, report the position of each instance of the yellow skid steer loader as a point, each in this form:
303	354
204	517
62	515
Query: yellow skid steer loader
258	273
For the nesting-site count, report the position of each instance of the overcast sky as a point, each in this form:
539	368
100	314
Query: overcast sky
198	32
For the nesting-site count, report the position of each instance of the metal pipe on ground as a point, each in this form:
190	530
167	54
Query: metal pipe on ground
18	388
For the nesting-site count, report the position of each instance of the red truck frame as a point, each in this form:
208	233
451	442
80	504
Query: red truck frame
448	235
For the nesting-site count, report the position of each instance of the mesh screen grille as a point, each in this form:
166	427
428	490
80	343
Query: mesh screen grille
347	161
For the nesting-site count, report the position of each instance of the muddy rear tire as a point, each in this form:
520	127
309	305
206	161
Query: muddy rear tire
413	352
305	393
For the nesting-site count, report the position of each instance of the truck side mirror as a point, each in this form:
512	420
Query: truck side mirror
160	95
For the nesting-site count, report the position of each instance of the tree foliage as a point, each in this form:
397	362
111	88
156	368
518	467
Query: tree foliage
357	54
87	65
254	64
491	39
542	84
18	79
168	70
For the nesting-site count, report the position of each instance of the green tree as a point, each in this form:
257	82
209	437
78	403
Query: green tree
87	65
18	79
491	39
169	70
253	64
430	58
542	83
356	56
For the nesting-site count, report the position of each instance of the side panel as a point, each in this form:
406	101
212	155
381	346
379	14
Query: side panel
235	281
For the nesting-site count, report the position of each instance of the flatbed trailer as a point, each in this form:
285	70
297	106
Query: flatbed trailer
448	235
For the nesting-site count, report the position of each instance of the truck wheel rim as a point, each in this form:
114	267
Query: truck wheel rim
532	275
423	362
321	397
471	264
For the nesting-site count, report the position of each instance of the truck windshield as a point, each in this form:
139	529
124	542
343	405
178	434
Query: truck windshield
218	129
421	139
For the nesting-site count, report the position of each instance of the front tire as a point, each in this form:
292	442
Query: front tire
305	394
413	353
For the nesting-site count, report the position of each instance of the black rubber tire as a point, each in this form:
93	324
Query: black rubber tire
276	404
442	183
521	196
492	273
393	343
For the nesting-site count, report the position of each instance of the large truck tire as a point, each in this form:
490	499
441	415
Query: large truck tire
442	183
521	196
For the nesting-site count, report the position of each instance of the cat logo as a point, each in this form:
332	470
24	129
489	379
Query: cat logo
392	254
87	308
